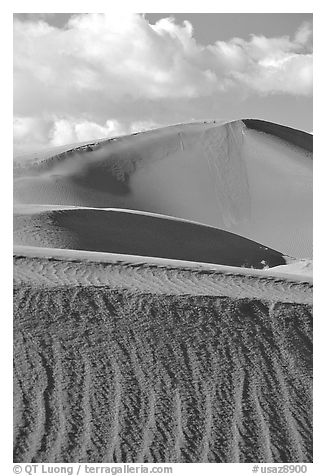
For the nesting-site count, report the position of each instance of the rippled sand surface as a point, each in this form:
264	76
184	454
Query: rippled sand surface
144	364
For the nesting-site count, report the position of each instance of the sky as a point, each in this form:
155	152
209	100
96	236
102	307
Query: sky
80	77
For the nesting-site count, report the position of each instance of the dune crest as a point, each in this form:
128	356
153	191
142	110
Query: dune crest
228	175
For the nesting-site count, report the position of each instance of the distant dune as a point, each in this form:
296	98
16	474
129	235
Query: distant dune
163	298
231	176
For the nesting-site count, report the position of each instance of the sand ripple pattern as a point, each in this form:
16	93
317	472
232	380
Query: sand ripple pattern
105	375
147	278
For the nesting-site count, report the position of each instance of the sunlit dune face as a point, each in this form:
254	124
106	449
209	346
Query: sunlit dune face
235	178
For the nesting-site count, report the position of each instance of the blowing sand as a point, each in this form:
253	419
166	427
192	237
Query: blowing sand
161	313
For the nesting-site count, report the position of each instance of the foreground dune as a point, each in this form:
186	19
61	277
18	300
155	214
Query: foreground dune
153	363
254	180
54	268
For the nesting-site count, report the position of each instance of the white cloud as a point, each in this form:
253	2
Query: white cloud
141	126
100	60
66	131
31	134
304	36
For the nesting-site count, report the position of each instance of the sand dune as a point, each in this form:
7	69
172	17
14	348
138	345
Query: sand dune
153	319
298	138
127	232
56	268
302	267
108	375
230	176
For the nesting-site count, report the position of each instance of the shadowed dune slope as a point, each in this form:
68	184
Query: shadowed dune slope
102	375
254	181
124	232
299	138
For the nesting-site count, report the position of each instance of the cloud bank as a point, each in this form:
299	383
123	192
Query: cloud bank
90	78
